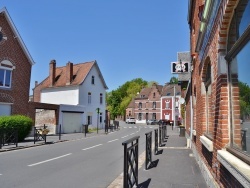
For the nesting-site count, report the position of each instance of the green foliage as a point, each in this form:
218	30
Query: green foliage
23	123
244	99
173	80
119	99
151	83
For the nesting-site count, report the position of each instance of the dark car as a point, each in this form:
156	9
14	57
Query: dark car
164	122
152	122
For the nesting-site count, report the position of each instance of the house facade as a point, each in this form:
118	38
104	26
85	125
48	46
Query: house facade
217	101
79	89
155	102
170	102
15	68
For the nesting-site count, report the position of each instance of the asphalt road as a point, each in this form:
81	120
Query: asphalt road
90	162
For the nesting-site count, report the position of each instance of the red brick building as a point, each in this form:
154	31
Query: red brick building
155	102
15	68
217	97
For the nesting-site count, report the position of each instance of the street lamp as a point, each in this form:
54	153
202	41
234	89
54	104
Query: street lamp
98	111
174	107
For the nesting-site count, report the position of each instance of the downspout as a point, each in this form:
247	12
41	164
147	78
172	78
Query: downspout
191	113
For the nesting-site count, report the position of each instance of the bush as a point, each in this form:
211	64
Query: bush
22	123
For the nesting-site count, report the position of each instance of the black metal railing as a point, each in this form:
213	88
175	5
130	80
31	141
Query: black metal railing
8	136
116	124
60	131
130	169
39	135
243	139
148	149
160	135
156	141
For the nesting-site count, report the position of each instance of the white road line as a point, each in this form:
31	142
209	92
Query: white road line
50	159
92	147
1	174
125	136
112	140
132	133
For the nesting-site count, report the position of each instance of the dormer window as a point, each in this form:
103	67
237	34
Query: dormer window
6	68
93	80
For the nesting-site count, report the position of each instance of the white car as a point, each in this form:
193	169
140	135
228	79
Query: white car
130	120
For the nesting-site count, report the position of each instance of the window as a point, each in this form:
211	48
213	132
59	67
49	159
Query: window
140	105
100	117
89	98
154	104
153	95
208	100
167	104
140	116
238	68
6	68
89	120
100	98
93	80
154	116
1	36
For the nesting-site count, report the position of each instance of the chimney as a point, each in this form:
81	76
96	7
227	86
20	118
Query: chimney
69	73
52	72
36	83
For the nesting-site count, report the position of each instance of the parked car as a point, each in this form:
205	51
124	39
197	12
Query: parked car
168	122
152	122
164	122
130	120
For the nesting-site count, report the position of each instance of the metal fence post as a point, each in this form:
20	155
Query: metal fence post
130	168
60	129
156	141
148	152
160	134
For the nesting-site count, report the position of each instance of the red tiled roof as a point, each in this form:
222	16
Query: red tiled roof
80	72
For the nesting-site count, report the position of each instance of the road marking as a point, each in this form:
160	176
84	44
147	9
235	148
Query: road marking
92	147
50	160
1	174
125	136
132	133
112	140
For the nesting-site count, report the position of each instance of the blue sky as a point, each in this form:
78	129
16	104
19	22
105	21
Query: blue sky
128	39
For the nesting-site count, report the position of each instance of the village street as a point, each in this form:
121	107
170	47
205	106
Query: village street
87	162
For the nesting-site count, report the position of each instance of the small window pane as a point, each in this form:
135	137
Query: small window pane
7	78
1	77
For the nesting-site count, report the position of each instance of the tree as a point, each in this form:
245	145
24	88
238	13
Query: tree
173	80
119	99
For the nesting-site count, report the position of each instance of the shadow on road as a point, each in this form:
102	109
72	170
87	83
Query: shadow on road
144	184
153	164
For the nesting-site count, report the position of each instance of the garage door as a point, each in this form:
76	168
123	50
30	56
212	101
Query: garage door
5	109
72	122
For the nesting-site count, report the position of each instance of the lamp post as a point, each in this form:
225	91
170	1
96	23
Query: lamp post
98	111
174	107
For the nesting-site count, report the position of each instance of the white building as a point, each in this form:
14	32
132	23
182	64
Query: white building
79	89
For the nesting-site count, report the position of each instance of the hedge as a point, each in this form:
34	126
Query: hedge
22	123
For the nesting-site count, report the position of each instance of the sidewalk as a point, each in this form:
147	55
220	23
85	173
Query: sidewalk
173	167
51	139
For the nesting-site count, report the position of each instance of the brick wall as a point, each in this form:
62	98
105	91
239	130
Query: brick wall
12	51
218	102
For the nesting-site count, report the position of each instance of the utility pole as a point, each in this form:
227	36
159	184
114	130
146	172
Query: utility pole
174	107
